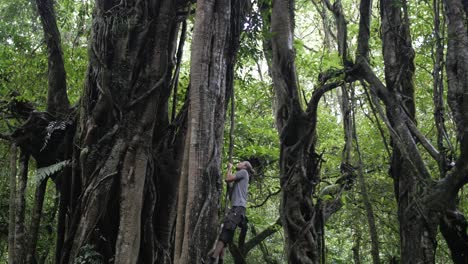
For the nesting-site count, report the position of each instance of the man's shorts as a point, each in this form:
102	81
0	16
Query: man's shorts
234	218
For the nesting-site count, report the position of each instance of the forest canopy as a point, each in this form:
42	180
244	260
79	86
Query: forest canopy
119	119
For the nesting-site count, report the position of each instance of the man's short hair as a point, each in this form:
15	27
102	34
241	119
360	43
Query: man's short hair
249	168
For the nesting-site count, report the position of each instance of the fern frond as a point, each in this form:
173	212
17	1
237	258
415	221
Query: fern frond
44	172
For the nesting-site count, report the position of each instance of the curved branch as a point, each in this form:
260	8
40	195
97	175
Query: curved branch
270	194
313	103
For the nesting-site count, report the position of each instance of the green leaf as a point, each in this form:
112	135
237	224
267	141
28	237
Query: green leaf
44	172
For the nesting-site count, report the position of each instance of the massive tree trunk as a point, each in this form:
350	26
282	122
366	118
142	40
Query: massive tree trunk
159	218
115	173
214	48
453	224
298	161
417	231
419	218
124	108
302	221
421	199
417	223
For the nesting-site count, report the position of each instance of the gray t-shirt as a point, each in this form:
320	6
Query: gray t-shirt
240	189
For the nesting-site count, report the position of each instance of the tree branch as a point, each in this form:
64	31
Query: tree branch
313	103
424	141
5	137
326	27
270	194
342	30
57	99
453	227
398	129
175	78
373	105
262	236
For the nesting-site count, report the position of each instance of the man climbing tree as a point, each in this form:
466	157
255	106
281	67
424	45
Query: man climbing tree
236	215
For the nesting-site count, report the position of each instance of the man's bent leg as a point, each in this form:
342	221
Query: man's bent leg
218	249
221	256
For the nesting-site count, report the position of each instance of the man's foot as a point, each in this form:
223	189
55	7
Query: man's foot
213	260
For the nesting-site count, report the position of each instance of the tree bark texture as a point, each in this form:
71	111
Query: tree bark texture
454	229
20	208
123	117
298	161
36	221
115	173
159	218
432	200
421	205
303	222
453	225
417	229
443	143
214	47
457	55
57	99
12	204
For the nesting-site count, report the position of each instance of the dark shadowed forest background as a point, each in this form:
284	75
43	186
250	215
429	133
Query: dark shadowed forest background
118	119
